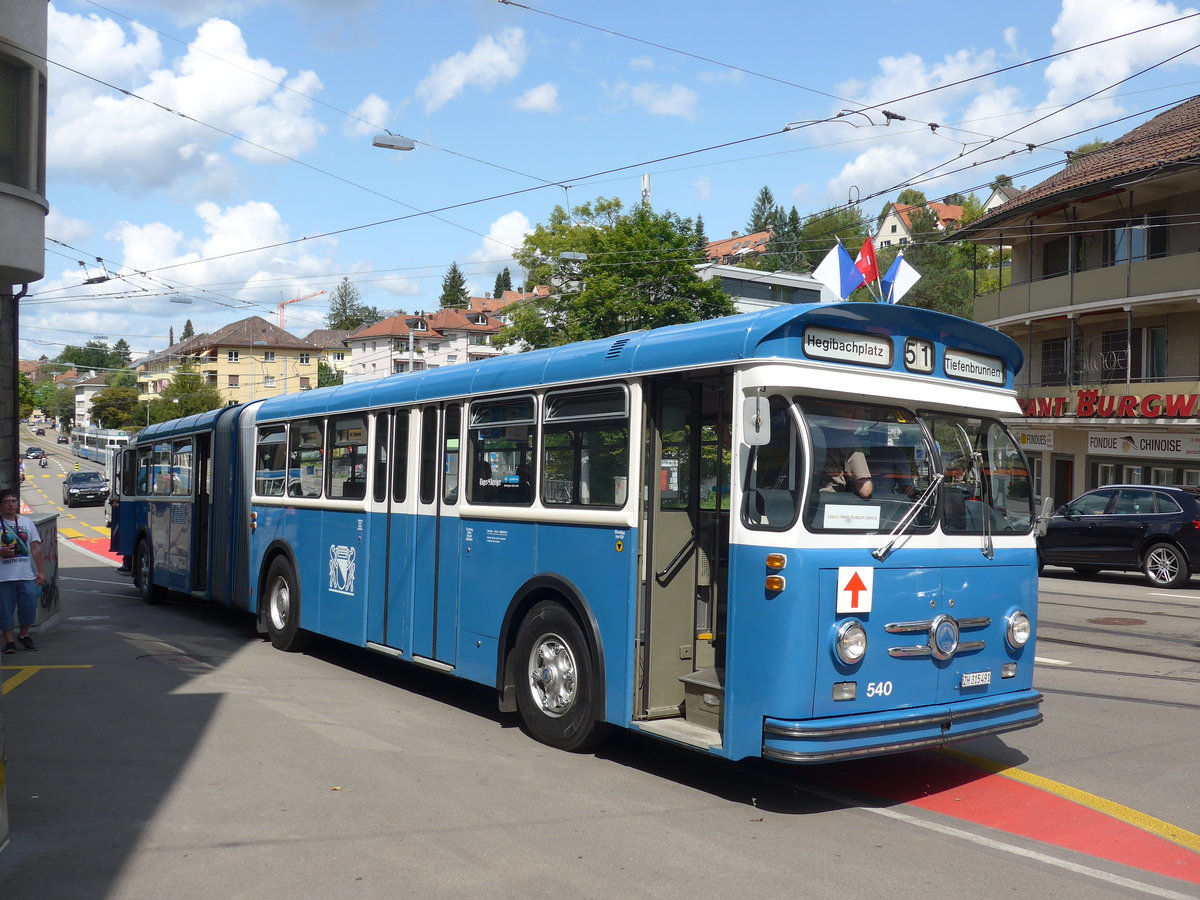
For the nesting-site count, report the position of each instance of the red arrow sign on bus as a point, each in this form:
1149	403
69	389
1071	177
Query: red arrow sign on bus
854	587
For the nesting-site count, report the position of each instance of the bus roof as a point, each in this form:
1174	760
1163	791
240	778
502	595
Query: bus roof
770	334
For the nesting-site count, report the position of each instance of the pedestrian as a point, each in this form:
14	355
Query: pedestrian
22	571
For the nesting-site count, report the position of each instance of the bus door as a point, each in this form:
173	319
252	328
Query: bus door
437	539
390	618
685	528
176	480
201	510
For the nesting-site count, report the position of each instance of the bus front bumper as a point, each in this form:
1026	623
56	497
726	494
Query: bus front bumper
897	731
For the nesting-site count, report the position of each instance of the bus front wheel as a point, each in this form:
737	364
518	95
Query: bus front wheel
143	575
555	679
283	608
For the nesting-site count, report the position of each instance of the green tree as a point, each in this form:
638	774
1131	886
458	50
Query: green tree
25	396
171	336
911	197
94	355
118	407
503	283
454	289
120	355
820	231
764	214
1001	181
327	375
945	284
347	312
701	237
186	394
188	331
626	270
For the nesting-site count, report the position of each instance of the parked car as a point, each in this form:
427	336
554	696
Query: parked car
35	453
1128	527
84	487
62	439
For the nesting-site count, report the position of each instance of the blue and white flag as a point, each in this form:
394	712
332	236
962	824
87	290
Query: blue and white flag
899	278
838	273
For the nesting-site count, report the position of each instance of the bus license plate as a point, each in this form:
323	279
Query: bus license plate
975	679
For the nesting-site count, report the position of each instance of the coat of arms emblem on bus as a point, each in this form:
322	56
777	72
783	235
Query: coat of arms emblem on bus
341	569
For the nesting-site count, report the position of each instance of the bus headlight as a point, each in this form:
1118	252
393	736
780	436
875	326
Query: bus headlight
1017	630
851	642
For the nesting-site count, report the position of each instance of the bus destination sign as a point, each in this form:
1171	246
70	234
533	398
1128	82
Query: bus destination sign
847	346
973	367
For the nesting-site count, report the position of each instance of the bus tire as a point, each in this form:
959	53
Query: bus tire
555	680
143	575
283	608
1164	565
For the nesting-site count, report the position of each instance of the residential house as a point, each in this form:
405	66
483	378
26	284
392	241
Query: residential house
736	247
1102	295
85	390
334	351
248	360
423	341
895	228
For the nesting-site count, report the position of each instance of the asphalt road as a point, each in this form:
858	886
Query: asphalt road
169	751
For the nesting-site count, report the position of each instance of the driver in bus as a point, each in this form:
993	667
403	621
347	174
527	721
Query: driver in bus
846	466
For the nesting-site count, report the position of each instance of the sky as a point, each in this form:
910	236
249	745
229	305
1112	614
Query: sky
213	158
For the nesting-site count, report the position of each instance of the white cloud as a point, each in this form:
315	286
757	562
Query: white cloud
641	63
490	62
504	236
670	100
703	187
67	229
91	129
543	98
1076	74
374	112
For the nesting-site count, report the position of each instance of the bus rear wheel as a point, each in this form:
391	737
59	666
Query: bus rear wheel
555	680
143	575
283	608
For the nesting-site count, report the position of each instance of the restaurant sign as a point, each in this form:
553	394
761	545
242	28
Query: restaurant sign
1095	405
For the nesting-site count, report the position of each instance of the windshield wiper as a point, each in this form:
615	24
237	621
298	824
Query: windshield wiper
909	517
985	506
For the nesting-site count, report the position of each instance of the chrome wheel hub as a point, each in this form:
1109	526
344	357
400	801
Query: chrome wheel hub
552	676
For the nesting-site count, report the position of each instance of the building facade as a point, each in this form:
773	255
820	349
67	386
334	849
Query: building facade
248	360
1103	294
895	228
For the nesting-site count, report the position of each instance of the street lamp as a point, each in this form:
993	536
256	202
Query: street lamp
389	141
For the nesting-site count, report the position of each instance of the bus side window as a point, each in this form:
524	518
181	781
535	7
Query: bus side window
270	461
500	451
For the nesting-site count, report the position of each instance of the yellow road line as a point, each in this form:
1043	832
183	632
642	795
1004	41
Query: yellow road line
1148	823
70	532
24	673
101	529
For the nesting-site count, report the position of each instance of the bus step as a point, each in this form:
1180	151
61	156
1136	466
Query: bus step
703	695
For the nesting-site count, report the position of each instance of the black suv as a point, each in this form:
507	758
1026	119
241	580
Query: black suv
82	487
1129	527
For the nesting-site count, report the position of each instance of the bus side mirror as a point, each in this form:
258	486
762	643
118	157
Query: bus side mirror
756	421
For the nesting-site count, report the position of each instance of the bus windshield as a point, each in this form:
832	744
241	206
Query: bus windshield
987	487
870	464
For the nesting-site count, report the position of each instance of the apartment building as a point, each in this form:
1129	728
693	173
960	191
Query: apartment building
1103	294
248	360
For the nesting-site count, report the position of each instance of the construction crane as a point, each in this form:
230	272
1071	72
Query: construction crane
295	300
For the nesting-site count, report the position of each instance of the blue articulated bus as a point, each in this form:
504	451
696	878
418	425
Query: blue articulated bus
801	534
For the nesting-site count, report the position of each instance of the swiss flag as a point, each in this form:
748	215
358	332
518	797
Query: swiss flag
865	262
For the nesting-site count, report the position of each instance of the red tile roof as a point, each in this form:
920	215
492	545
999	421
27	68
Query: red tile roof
1169	140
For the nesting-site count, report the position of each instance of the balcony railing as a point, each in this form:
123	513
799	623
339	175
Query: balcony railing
1148	277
